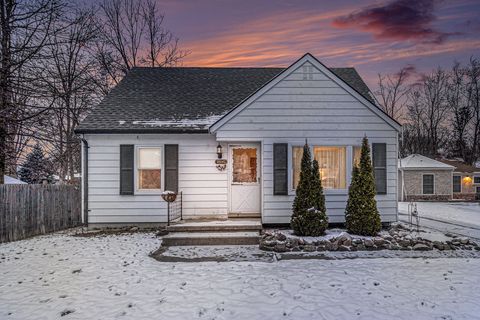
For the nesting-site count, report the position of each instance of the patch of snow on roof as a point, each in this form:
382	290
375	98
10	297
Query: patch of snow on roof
11	180
417	161
181	123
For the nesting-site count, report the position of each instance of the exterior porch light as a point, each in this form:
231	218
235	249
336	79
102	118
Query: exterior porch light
467	180
219	151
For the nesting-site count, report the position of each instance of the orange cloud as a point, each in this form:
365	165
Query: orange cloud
270	41
279	39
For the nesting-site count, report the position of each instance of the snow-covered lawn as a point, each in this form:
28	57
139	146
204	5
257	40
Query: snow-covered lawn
464	213
113	278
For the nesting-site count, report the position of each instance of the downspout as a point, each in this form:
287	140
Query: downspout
85	180
402	193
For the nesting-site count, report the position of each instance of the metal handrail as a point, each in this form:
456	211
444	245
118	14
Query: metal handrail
177	209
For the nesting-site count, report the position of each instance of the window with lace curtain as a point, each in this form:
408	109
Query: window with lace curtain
297	154
333	167
357	153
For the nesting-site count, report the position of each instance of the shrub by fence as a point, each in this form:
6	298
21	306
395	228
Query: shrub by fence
29	210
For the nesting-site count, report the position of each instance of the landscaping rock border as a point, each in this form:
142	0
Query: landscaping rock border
396	238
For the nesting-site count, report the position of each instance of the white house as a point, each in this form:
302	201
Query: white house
160	128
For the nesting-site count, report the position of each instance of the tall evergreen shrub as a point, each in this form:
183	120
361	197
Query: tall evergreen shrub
361	213
309	217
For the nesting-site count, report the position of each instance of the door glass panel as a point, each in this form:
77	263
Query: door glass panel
245	165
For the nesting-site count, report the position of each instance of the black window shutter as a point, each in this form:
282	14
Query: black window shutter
126	169
379	151
280	168
171	167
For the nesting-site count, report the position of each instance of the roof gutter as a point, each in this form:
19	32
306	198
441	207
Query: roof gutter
142	130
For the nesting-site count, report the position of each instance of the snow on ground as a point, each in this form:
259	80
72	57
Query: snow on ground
112	277
445	227
427	234
464	213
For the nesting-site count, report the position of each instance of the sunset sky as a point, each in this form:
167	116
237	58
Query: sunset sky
373	36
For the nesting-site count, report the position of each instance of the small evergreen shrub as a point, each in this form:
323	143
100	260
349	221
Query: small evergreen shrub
361	213
309	217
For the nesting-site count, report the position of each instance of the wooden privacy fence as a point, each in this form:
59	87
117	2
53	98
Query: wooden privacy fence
29	210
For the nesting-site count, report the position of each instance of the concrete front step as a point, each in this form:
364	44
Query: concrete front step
216	226
211	238
244	215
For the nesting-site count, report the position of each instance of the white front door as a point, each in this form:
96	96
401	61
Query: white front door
245	178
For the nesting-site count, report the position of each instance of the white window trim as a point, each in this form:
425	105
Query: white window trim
473	178
461	179
291	189
139	191
428	174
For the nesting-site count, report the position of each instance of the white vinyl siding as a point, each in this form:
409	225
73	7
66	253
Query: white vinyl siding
204	187
327	115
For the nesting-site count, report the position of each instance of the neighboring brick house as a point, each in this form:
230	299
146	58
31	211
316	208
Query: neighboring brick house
422	178
465	180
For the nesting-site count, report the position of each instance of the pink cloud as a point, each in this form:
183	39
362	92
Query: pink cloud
397	20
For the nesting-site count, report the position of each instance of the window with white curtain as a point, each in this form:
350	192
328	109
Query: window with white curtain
297	154
357	153
333	167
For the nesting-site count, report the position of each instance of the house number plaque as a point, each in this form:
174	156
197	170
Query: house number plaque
221	164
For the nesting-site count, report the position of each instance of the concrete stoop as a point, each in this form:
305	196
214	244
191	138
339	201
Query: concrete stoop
226	232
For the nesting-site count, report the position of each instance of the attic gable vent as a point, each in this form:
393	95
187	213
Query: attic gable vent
307	72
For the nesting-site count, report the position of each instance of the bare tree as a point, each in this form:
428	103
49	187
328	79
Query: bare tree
392	92
460	110
132	34
70	77
24	29
472	74
427	111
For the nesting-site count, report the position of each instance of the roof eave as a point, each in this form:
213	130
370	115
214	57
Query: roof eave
141	130
424	168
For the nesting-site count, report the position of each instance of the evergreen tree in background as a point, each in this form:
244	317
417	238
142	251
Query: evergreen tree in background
361	213
35	168
309	217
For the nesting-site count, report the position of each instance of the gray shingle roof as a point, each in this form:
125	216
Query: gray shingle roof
184	99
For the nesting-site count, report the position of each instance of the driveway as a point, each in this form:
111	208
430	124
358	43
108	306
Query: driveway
462	218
